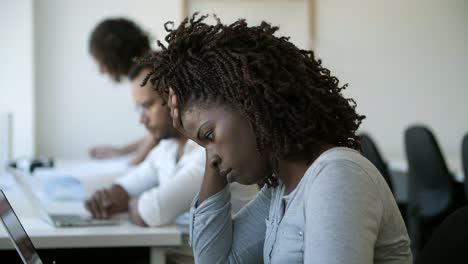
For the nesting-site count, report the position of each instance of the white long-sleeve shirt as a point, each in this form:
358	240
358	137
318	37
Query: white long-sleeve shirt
167	186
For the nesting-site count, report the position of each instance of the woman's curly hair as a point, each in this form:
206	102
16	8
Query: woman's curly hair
115	43
292	103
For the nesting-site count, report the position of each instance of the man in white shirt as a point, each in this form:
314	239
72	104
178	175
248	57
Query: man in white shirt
164	184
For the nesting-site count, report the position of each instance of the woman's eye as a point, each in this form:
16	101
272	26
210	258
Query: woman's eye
210	136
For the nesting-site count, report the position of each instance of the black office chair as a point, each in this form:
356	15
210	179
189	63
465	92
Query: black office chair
370	151
449	243
432	192
465	162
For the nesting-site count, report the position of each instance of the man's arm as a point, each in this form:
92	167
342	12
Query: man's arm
131	147
105	202
162	204
134	215
143	148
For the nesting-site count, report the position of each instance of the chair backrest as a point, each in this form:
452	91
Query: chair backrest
465	162
430	186
449	242
371	152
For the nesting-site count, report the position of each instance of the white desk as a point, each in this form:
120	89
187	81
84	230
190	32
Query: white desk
125	235
93	174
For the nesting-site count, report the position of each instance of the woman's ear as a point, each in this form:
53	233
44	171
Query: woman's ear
175	113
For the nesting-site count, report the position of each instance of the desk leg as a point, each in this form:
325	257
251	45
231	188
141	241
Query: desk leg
157	255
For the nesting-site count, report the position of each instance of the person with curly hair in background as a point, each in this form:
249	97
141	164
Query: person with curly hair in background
113	44
266	111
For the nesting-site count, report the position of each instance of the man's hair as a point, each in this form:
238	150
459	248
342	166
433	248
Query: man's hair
136	69
115	43
292	103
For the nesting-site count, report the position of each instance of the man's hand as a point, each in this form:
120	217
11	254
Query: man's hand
104	152
107	202
134	215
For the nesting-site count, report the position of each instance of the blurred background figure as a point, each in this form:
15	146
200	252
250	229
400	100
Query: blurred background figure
114	43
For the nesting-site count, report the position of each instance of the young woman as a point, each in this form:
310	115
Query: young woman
266	111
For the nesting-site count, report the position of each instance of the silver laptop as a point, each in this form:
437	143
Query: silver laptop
58	220
17	234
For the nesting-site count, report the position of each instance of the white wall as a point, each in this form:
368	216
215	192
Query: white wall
405	61
291	16
16	72
76	106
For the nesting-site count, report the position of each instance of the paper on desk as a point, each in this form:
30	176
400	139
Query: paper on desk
91	175
64	188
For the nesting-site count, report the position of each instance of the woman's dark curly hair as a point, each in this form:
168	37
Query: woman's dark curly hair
292	103
115	43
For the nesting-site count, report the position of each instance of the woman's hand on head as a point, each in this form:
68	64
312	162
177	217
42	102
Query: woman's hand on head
213	181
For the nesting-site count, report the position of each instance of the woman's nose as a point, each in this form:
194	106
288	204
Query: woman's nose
214	159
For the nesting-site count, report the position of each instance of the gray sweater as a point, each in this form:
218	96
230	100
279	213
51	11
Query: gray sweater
342	211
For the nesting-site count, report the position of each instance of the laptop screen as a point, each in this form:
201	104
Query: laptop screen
22	242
